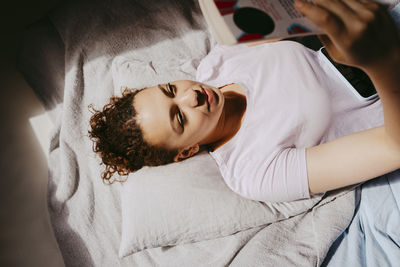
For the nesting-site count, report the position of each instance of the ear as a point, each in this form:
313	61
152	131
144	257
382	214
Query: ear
186	153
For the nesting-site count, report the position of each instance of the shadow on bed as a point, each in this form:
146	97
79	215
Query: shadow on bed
94	29
67	238
103	28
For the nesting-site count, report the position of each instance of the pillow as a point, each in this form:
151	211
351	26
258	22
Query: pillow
188	202
137	74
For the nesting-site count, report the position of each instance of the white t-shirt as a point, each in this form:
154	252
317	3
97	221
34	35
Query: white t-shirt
294	101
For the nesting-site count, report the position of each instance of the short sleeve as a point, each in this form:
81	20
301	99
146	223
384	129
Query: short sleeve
281	177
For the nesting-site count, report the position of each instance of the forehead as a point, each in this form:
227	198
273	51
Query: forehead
152	116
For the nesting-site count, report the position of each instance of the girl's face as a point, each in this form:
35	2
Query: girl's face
180	114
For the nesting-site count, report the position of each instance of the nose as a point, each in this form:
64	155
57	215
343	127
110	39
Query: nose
192	98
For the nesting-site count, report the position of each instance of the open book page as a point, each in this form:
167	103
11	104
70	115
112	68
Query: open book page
264	19
248	20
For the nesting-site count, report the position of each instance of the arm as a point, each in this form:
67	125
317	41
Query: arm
360	35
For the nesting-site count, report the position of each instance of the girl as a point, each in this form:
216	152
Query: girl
280	125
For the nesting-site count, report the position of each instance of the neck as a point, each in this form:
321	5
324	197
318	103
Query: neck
231	117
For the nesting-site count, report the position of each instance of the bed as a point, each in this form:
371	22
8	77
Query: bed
181	214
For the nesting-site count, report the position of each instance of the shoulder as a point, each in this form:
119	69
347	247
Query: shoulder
227	51
219	61
231	50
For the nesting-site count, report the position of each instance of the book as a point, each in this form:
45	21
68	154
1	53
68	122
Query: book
249	20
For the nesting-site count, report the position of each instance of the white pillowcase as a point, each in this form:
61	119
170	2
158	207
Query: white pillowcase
137	74
188	202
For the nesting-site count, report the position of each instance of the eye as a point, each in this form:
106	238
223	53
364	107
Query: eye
170	89
180	119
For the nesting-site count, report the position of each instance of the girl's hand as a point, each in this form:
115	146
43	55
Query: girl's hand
359	33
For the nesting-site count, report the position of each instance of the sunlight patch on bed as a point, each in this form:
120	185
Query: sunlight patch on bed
42	126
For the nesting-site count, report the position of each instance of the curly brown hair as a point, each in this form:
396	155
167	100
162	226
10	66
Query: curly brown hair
118	139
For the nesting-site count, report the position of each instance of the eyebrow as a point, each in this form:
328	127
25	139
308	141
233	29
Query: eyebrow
171	111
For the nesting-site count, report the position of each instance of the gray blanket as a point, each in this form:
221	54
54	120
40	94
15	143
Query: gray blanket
85	213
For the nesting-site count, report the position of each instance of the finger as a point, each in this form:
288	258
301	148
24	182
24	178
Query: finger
363	8
357	5
337	7
324	19
370	4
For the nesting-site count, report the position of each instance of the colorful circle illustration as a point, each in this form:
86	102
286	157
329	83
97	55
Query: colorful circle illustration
253	20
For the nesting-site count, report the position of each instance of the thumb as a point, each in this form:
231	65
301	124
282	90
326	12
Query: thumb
333	52
325	40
